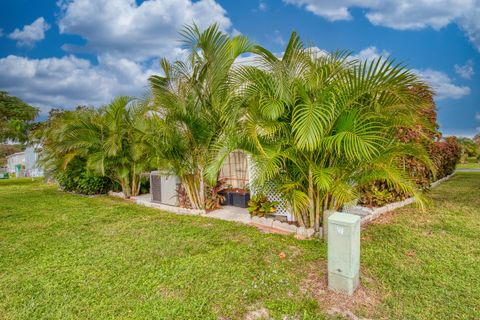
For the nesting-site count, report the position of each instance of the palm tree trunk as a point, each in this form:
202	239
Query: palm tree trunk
186	186
126	188
189	182
122	185
326	213
202	187
311	209
138	185
134	181
318	212
303	219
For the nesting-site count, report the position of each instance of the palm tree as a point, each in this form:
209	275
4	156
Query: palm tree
322	125
195	102
48	135
111	139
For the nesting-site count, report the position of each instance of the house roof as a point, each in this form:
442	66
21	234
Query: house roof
15	154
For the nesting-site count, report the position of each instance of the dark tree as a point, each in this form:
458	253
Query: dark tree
6	150
16	118
476	139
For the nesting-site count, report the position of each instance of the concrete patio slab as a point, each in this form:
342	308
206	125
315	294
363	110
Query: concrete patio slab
230	213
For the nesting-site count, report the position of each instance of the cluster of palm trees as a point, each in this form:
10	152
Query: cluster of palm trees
318	126
113	140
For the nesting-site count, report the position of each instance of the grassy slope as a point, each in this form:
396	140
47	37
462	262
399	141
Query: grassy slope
65	256
429	263
471	165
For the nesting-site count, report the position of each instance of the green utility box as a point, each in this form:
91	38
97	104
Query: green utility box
343	252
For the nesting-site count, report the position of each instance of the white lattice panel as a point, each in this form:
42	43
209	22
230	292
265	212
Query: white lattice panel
268	190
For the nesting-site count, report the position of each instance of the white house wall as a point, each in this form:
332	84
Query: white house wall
32	169
28	160
15	159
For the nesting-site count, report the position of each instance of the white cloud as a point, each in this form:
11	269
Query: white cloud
370	53
277	38
477	116
71	81
123	28
466	71
330	9
470	23
124	36
30	33
442	84
403	14
262	6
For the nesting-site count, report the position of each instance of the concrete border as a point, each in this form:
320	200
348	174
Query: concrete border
301	232
116	194
436	183
172	209
259	222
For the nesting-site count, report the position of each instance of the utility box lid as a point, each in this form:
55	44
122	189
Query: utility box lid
344	219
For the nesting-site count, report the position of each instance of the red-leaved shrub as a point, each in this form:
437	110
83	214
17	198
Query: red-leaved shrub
445	154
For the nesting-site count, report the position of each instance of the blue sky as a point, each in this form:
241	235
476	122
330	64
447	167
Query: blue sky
64	53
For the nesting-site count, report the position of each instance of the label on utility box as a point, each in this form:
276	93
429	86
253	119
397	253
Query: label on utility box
340	230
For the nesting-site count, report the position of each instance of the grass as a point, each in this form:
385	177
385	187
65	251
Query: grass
65	256
428	263
469	165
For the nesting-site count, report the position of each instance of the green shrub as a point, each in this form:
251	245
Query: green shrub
378	194
90	183
260	206
76	178
144	185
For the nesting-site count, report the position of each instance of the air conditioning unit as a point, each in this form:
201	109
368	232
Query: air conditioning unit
163	188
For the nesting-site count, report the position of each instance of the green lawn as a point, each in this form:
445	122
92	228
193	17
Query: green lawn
65	256
428	264
469	165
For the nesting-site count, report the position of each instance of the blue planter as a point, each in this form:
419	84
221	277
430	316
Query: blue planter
240	199
236	199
